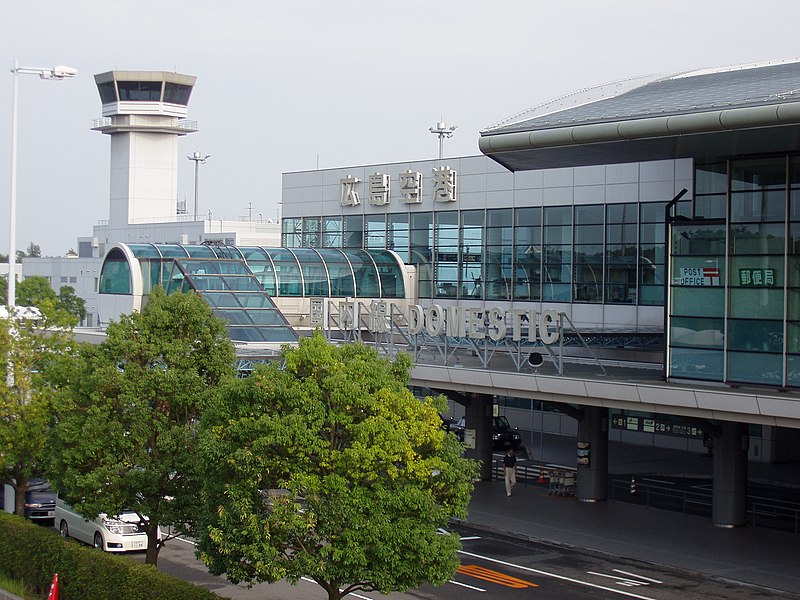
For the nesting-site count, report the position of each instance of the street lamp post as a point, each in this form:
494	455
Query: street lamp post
58	72
198	158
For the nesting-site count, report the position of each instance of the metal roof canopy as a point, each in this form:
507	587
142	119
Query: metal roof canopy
742	110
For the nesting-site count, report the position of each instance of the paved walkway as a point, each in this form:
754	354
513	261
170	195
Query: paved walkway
752	555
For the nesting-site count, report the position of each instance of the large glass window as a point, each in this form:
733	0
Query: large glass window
588	258
332	232
311	232
398	235
557	257
376	232
499	254
353	231
292	232
446	243
421	232
176	93
528	252
471	277
115	278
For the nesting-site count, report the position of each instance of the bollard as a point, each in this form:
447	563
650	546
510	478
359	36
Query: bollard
634	491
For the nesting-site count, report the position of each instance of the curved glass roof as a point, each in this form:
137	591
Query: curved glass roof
239	282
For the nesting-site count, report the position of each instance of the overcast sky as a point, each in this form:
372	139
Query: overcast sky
291	85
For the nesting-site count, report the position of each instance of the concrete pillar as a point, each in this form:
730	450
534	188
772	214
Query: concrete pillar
478	416
729	501
592	484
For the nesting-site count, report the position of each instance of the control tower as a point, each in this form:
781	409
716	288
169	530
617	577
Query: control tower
144	112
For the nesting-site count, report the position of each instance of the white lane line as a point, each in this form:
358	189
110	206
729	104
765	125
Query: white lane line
472	587
184	540
642	577
555	576
620	580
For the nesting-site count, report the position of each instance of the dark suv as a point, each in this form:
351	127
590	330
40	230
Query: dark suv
503	434
40	502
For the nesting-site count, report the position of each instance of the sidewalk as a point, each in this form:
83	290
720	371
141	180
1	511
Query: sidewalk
753	555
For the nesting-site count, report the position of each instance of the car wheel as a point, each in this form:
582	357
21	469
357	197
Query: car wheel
98	540
63	529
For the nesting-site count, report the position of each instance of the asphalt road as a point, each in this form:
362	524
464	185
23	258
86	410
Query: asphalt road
498	567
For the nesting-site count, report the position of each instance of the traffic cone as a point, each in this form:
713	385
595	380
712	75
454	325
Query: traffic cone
634	491
541	477
53	595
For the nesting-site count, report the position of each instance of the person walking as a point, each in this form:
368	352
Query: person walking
510	470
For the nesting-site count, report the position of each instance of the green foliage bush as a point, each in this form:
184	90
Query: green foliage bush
31	554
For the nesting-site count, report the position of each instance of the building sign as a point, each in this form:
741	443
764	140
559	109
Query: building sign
379	189
444	187
444	184
756	277
584	452
411	187
317	312
349	195
698	276
656	424
494	323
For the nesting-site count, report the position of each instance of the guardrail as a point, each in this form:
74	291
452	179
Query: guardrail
774	514
560	480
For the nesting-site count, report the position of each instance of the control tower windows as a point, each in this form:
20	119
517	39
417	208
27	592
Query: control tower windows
140	91
175	93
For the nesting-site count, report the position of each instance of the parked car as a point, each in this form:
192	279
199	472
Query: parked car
118	533
503	434
40	502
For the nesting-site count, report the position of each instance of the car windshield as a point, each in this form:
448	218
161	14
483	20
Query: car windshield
501	422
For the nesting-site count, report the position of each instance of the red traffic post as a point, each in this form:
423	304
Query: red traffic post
53	595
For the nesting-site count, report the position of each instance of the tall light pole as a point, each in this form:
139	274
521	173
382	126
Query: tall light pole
198	158
58	72
443	131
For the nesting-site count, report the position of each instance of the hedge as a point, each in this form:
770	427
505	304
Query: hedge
32	554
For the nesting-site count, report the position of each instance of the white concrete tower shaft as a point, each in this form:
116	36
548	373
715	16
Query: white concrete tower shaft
144	112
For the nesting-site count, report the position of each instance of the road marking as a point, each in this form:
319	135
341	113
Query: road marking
495	577
556	576
471	537
626	581
659	481
472	587
184	540
642	577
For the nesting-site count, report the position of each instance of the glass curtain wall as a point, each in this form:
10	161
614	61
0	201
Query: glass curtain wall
729	285
611	253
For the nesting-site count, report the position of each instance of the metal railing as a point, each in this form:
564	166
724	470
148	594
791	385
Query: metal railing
770	513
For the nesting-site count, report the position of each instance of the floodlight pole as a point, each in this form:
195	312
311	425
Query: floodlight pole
443	131
58	72
198	158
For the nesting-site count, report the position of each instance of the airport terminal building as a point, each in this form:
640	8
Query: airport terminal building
658	220
625	259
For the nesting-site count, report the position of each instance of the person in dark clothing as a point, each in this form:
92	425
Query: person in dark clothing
510	470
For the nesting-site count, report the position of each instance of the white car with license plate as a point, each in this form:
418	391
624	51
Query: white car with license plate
119	533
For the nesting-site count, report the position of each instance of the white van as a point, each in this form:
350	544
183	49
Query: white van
120	533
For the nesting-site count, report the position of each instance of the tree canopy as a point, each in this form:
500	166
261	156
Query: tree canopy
328	467
127	415
65	308
33	352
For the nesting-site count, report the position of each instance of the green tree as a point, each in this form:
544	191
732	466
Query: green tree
65	307
70	303
34	250
33	354
328	467
126	427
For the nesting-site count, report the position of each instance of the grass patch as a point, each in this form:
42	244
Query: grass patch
16	587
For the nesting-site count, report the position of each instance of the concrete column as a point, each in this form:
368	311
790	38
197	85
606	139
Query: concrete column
478	416
592	484
729	501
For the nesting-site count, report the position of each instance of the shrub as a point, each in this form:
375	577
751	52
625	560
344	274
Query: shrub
31	554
